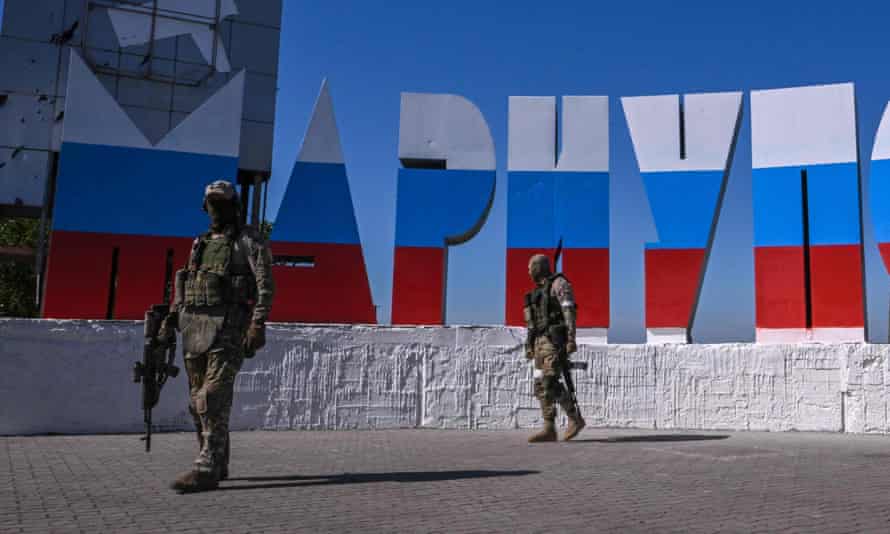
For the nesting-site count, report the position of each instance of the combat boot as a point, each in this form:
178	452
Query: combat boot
576	424
547	434
194	481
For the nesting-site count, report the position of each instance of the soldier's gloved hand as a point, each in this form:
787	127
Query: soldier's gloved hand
167	332
571	347
256	337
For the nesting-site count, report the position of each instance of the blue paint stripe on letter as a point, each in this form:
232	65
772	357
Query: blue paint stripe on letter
682	204
125	190
433	204
317	207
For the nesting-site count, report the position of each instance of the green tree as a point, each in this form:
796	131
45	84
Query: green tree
18	280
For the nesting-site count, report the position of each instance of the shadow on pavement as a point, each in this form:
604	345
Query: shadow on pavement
294	481
648	438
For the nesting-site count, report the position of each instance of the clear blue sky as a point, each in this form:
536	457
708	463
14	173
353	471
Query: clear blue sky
486	51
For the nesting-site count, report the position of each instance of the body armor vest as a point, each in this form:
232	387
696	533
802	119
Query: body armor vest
546	310
211	279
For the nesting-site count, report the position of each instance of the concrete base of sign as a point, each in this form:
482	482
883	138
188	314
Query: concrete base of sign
592	336
662	336
74	377
775	336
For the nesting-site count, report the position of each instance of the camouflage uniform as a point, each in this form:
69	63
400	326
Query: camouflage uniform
550	311
225	290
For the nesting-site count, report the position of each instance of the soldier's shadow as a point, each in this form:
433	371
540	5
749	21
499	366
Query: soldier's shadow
298	481
654	438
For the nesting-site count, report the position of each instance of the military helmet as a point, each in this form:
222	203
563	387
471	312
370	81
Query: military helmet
221	189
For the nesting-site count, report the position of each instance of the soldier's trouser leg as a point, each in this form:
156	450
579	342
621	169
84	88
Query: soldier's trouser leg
199	432
195	368
548	389
215	374
199	429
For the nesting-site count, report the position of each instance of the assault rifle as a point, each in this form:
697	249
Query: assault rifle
561	343
156	365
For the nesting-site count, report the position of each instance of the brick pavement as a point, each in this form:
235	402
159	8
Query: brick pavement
452	481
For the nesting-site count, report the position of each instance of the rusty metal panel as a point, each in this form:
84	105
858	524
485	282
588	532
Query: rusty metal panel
22	176
254	48
27	121
259	101
27	67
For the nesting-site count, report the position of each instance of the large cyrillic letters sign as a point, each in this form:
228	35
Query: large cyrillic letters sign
319	266
807	237
445	191
809	278
684	147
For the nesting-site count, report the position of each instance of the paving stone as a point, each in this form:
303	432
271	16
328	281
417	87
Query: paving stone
454	481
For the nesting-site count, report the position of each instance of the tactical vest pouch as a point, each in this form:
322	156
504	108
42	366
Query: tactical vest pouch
179	288
214	288
199	331
205	288
558	334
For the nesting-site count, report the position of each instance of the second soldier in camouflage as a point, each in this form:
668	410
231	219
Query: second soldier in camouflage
550	312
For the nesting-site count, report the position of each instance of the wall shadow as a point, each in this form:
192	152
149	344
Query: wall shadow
654	438
296	481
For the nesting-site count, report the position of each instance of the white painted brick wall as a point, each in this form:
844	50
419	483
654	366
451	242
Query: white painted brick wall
75	377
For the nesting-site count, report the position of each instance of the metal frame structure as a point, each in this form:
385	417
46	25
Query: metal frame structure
155	13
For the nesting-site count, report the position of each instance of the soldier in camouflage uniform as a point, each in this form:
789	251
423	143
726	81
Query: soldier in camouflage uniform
550	312
223	297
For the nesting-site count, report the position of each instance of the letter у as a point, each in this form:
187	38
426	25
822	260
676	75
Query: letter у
319	270
565	197
445	191
684	149
807	230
